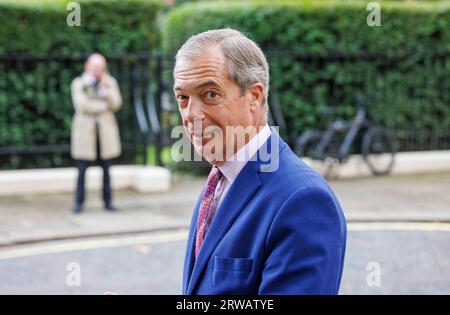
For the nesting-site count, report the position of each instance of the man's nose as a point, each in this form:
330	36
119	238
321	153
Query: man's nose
194	111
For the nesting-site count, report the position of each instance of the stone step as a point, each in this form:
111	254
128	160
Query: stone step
144	179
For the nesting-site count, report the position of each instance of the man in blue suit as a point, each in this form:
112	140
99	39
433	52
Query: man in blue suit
265	223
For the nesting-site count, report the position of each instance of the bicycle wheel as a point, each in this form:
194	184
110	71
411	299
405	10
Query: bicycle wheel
378	149
307	143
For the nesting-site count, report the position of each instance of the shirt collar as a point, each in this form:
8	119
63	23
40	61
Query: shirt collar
234	164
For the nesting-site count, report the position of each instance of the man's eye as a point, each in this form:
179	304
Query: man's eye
181	97
211	94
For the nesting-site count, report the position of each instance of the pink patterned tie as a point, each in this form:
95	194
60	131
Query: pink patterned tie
203	214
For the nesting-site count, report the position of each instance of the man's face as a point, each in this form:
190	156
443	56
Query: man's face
96	65
208	97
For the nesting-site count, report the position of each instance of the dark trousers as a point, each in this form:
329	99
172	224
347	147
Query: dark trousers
82	166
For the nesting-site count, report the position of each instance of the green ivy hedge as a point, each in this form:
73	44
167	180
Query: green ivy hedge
35	103
323	53
113	26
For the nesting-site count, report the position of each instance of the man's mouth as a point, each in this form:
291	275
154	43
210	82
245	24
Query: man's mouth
199	133
201	139
201	136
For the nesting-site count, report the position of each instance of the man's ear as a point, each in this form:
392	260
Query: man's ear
256	93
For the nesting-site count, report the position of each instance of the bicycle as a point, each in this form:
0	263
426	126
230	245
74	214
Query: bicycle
378	146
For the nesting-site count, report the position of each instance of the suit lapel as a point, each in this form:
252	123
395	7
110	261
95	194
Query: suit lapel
240	192
243	188
189	257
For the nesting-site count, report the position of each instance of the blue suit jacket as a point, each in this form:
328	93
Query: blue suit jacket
275	232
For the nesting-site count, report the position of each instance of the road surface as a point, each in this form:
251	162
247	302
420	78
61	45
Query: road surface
382	258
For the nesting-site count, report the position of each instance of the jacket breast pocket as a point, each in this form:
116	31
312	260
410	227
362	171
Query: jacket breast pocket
232	275
232	264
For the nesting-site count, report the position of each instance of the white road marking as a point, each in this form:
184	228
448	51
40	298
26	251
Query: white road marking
398	226
68	245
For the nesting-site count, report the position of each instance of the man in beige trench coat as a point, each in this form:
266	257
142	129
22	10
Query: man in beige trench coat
95	133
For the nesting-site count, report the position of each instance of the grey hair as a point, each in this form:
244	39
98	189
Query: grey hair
245	60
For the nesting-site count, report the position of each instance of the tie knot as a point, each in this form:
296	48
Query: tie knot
214	176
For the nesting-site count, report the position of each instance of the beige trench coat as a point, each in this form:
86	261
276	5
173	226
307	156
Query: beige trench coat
91	106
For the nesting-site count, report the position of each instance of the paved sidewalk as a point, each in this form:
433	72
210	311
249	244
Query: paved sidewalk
47	217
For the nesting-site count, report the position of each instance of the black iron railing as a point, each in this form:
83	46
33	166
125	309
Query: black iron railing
36	107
